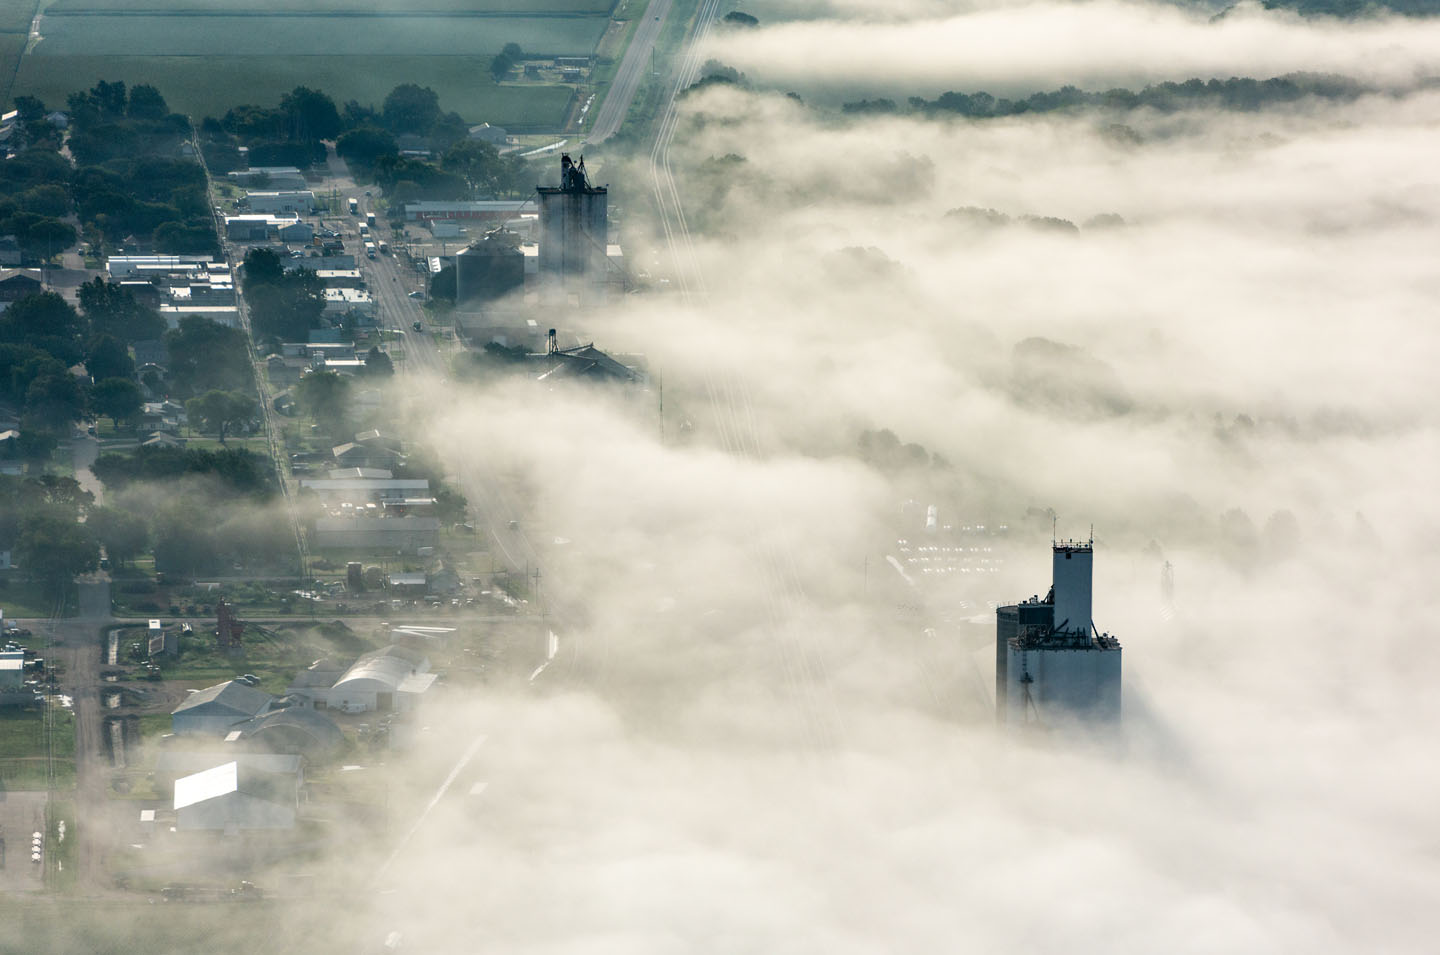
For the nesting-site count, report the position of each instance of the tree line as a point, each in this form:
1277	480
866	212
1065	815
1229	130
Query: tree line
1235	93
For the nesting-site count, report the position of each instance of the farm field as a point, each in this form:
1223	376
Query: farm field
15	15
295	35
208	86
207	56
265	7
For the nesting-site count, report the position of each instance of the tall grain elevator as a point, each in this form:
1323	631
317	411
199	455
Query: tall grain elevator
573	238
1052	666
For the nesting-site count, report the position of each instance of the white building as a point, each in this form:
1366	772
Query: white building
1052	666
125	266
298	201
231	798
341	301
394	678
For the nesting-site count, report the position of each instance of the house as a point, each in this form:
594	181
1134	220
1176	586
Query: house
160	439
354	455
214	710
391	679
340	278
407	584
165	416
232	798
357	474
15	284
344	301
485	133
375	438
261	227
58	119
316	262
288	201
227	315
366	490
403	535
287	178
127	266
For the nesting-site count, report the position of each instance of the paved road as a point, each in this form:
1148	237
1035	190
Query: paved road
631	72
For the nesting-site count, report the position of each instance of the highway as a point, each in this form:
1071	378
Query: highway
632	69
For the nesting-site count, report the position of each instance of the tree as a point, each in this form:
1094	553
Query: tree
118	399
378	364
111	310
502	63
478	163
47	237
53	550
184	538
183	238
123	534
311	114
450	504
325	396
147	103
443	285
35	445
287	308
206	354
54	401
410	109
108	358
263	267
737	19
365	145
47	322
47	199
220	411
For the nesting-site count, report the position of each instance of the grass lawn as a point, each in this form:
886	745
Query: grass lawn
209	85
60	869
21	597
23	751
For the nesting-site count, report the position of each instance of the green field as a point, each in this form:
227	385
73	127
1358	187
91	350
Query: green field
303	36
208	86
262	7
207	56
23	751
15	15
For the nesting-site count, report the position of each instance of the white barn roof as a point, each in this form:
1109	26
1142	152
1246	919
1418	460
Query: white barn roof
207	784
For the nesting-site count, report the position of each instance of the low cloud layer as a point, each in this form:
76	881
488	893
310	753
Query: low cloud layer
757	737
1017	48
